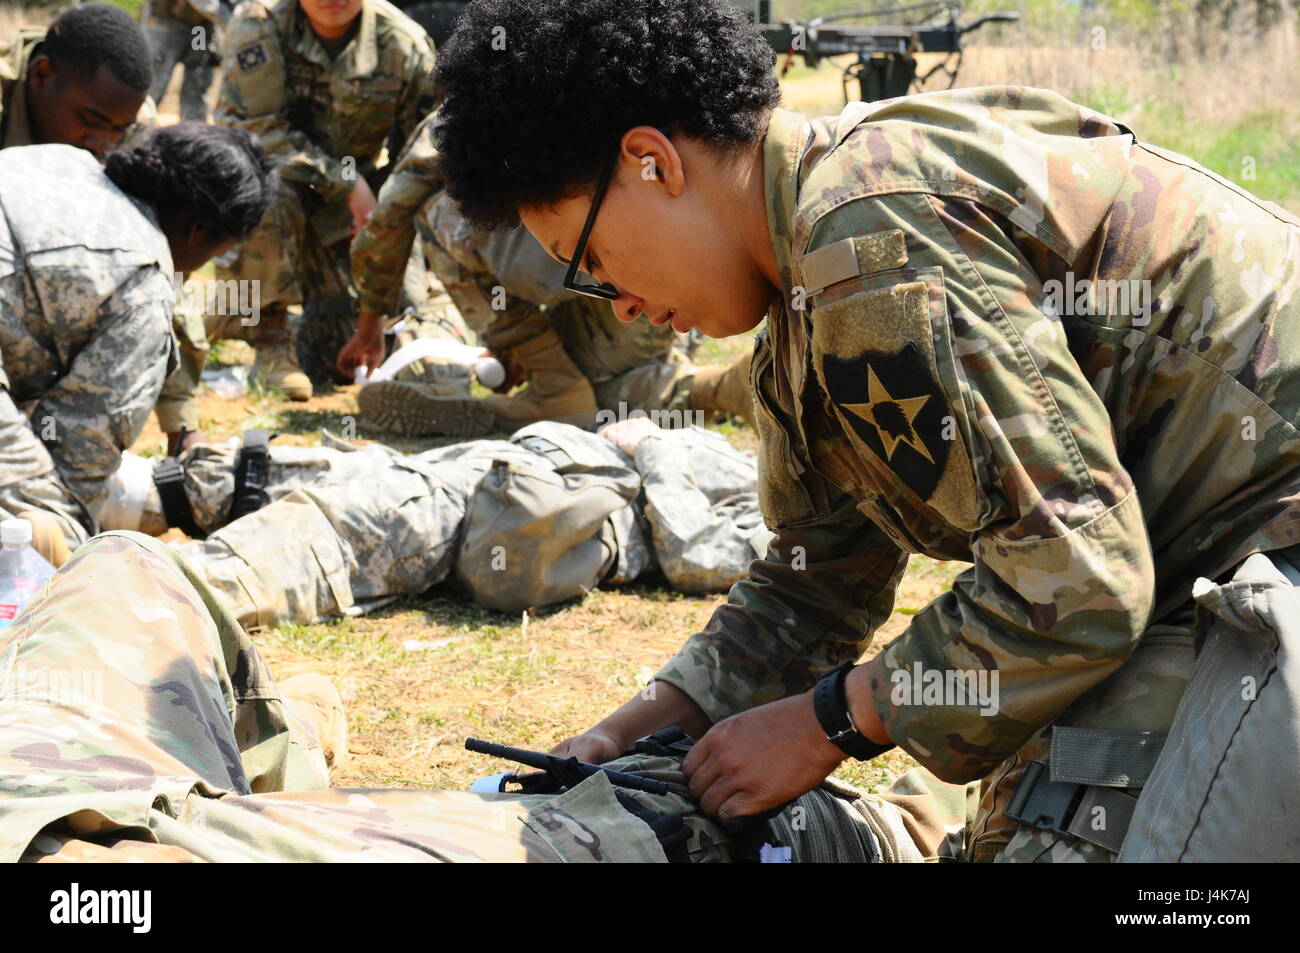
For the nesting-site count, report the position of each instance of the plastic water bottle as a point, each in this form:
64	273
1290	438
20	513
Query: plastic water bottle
22	569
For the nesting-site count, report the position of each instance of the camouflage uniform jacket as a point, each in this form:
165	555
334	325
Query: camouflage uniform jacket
85	318
323	121
935	379
15	125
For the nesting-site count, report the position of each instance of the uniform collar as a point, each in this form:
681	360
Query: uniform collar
359	58
783	149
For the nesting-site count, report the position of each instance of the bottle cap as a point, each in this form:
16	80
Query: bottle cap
15	533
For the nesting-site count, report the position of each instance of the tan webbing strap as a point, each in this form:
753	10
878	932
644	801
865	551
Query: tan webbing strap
850	257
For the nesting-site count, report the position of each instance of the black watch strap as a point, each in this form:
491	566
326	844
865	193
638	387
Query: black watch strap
831	705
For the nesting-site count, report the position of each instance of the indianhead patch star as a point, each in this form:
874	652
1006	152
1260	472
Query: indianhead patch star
892	417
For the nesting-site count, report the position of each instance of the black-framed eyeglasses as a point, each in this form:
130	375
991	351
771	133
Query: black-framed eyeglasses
605	289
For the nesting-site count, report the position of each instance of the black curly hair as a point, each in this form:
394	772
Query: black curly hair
91	35
195	172
536	93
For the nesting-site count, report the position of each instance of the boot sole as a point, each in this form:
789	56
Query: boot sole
402	409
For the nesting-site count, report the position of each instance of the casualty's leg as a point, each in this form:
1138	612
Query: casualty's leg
125	682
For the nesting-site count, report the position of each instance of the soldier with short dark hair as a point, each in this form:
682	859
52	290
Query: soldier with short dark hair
1000	328
84	81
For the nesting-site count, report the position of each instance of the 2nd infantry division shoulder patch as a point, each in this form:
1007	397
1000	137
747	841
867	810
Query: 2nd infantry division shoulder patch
251	56
896	408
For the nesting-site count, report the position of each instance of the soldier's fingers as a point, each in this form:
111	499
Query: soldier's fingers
723	788
740	804
696	757
704	775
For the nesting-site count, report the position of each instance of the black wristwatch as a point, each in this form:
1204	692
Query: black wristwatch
831	705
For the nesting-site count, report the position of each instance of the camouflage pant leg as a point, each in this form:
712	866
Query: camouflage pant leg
603	347
388	529
124	688
1142	695
178	404
275	254
172	42
169	41
661	388
499	314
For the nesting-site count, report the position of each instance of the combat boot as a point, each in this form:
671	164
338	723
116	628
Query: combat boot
47	537
318	708
724	388
276	365
556	390
414	409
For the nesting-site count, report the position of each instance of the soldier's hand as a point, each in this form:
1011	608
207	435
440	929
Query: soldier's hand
628	434
361	202
365	348
760	759
594	747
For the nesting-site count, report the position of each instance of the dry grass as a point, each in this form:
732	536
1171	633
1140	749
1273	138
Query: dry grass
1233	107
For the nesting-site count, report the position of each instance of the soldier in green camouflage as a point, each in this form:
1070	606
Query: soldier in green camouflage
87	256
1000	328
574	356
138	722
326	89
184	32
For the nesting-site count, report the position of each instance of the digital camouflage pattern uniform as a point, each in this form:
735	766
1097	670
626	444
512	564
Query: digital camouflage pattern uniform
508	289
139	722
185	32
923	387
323	120
85	331
522	523
178	403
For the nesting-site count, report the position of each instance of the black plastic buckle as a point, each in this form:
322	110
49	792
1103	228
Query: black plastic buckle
169	478
1043	803
252	474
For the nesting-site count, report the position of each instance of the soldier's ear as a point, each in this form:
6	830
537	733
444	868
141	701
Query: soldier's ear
40	72
652	157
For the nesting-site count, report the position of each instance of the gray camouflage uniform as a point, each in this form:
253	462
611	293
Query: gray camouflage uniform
525	522
85	331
